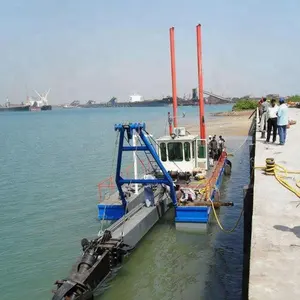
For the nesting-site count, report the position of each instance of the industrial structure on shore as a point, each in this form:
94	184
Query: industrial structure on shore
137	100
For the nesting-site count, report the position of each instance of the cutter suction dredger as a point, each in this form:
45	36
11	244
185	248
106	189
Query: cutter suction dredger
101	255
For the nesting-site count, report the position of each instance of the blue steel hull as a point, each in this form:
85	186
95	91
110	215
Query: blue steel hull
110	212
185	215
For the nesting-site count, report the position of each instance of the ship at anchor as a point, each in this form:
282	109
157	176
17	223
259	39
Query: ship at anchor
40	102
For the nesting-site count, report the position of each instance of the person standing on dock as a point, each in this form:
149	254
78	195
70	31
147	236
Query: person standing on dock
221	145
272	121
214	147
210	152
282	121
263	121
260	107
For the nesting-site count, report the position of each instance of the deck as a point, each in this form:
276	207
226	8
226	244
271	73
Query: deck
209	185
275	245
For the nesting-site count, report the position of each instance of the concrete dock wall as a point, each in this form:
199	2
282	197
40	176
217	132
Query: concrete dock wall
248	210
275	234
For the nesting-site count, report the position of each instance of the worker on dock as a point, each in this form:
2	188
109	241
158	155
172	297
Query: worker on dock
213	144
221	143
272	121
259	107
282	121
210	154
264	108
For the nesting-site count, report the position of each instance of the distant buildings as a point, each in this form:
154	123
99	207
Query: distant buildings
276	96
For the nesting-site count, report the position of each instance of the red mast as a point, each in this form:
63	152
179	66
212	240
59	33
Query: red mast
200	83
173	73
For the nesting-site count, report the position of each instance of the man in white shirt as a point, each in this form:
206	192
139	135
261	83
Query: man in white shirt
272	120
282	121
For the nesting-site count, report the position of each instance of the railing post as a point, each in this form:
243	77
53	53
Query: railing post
135	170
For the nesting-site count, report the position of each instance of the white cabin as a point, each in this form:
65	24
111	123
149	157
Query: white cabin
182	152
136	98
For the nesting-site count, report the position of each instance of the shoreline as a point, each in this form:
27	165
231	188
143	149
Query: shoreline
232	123
247	112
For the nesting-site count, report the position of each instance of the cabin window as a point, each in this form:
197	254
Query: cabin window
193	150
187	151
163	151
175	152
201	149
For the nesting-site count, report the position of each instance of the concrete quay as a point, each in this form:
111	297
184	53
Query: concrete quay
275	239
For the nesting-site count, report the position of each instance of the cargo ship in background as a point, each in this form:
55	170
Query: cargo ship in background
39	103
134	101
14	107
137	100
32	104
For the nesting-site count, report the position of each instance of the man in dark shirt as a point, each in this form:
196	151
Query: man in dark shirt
263	121
214	147
259	107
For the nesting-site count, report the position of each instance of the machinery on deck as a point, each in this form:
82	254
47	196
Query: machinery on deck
101	255
99	258
179	155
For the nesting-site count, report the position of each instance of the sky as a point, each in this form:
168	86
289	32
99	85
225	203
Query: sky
97	49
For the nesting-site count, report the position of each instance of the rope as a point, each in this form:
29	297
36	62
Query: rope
219	223
122	232
244	142
216	216
149	161
272	168
100	232
136	146
218	192
111	172
140	160
206	191
114	154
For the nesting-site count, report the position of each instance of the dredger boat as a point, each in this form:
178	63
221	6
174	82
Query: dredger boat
175	173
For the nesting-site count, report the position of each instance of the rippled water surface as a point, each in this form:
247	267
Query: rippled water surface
51	163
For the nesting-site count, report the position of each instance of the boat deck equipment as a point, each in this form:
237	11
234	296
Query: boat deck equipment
178	174
104	253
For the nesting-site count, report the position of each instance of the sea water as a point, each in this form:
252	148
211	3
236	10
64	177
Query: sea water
51	163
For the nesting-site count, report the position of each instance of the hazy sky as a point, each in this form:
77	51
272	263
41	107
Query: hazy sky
98	49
